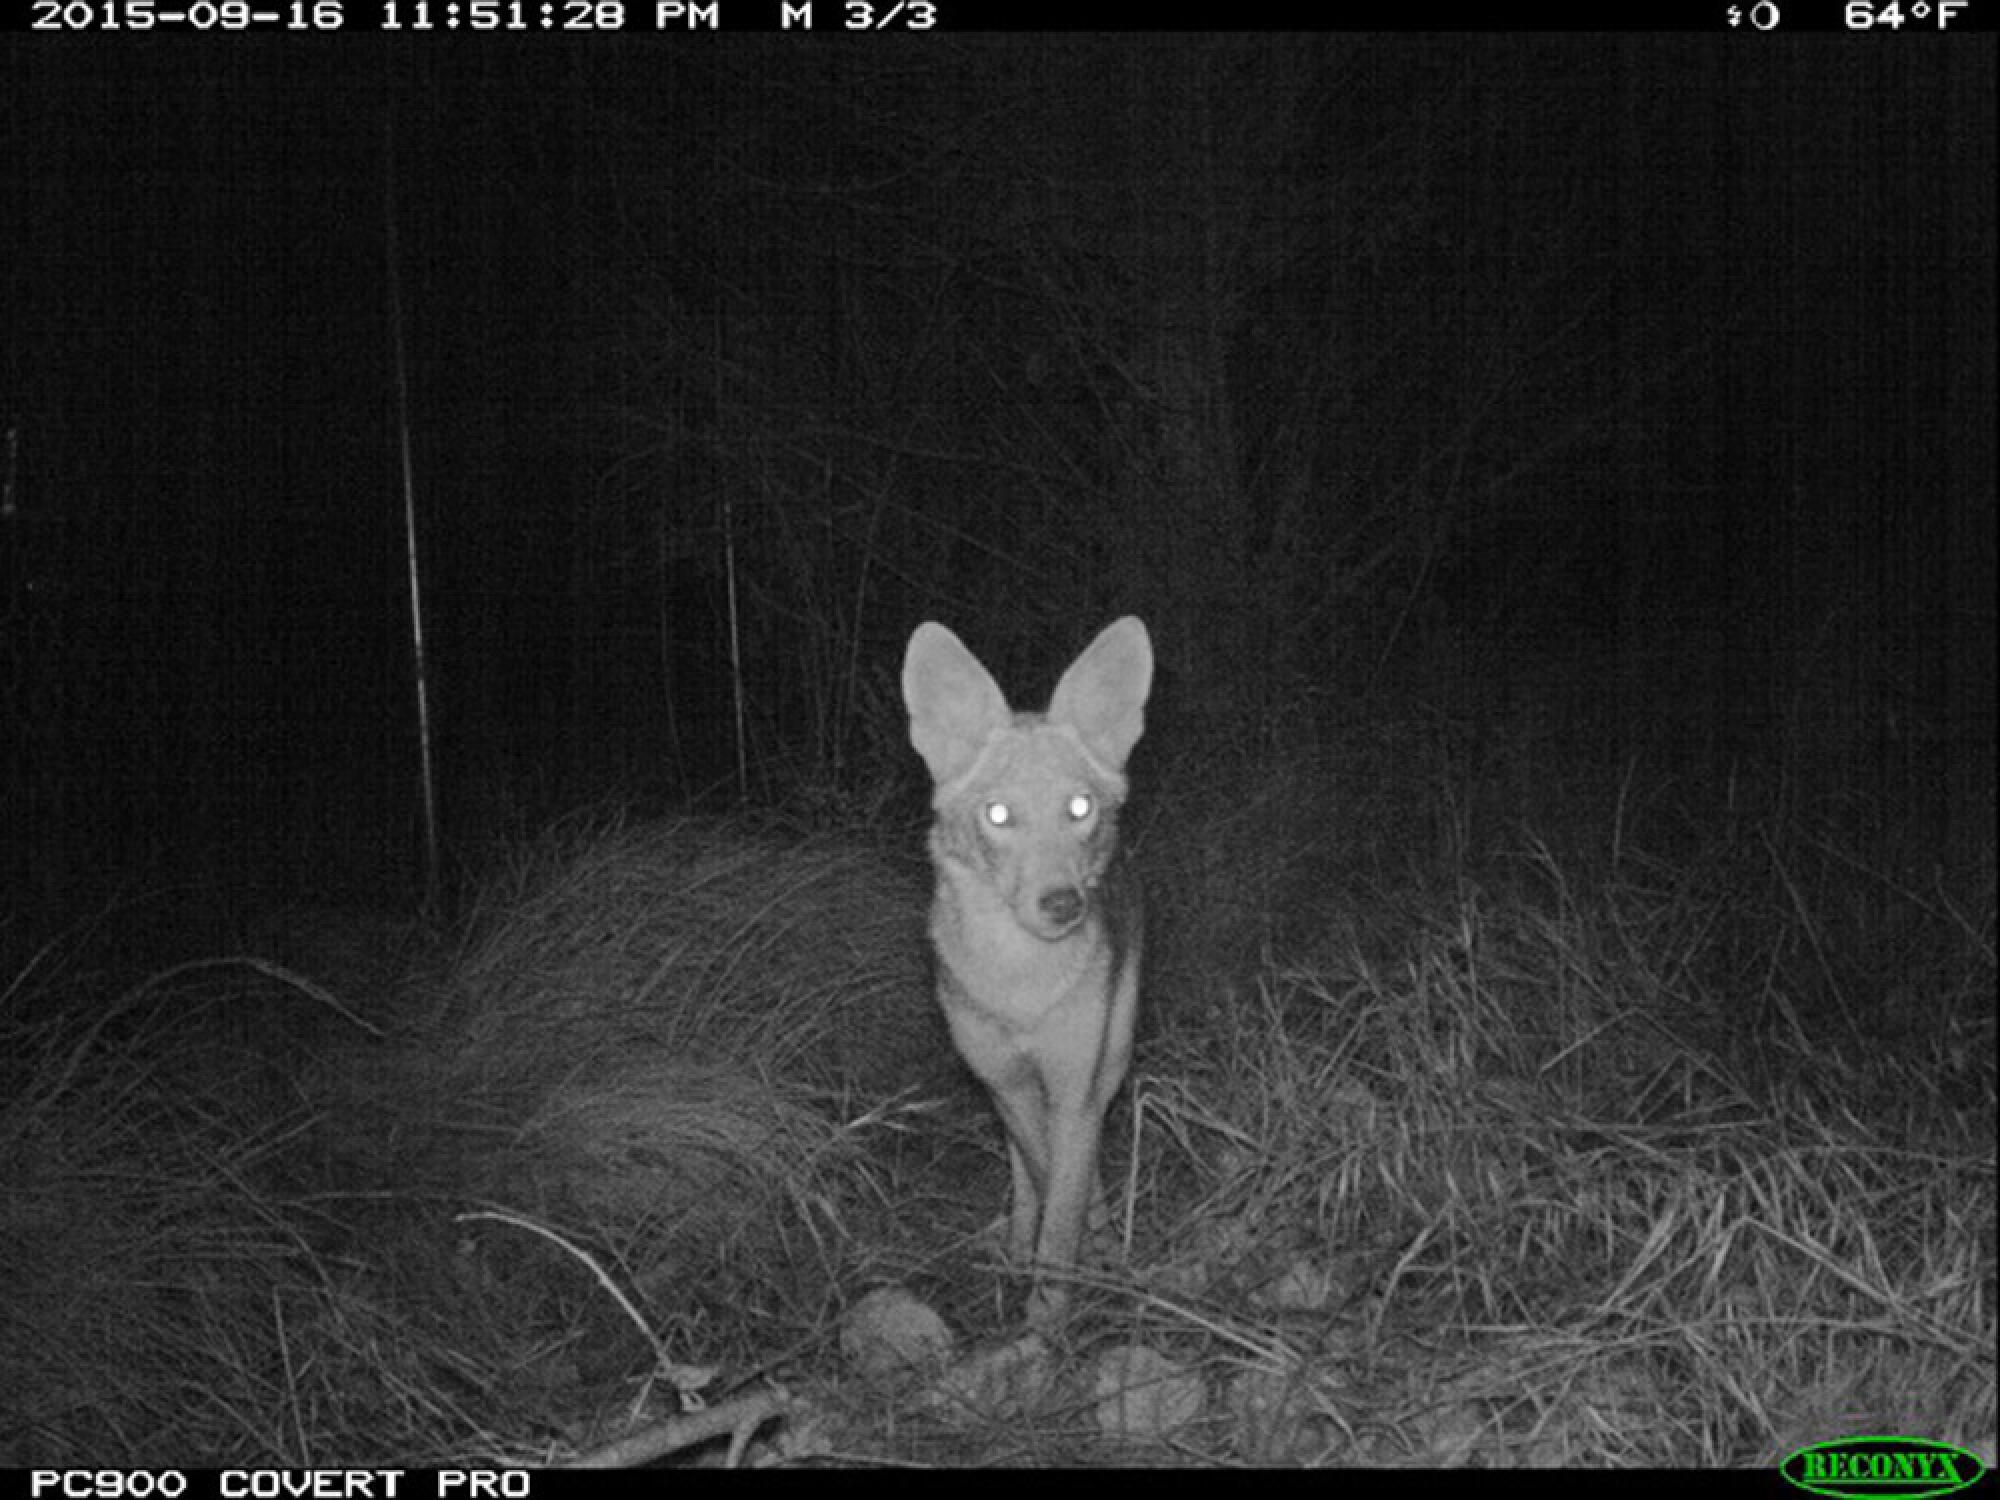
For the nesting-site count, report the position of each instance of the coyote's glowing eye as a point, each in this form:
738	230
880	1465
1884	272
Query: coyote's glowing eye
999	814
1081	807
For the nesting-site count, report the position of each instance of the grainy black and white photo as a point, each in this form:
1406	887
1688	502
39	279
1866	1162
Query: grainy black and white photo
736	744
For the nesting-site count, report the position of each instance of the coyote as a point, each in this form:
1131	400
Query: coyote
1037	936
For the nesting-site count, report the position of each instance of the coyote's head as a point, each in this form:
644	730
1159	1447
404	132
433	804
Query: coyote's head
1026	802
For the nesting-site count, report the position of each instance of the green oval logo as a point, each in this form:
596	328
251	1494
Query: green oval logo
1872	1466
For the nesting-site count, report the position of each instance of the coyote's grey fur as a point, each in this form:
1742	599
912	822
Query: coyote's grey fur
1037	934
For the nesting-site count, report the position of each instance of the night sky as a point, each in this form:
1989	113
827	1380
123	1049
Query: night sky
1645	383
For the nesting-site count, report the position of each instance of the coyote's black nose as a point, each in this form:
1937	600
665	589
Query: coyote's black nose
1062	906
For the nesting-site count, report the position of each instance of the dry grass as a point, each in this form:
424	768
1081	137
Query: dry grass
1450	1145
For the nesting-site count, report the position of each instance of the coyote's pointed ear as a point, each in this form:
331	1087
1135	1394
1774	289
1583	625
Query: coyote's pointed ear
1103	694
954	702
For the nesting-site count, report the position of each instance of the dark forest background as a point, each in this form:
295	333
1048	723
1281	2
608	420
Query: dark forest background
1635	390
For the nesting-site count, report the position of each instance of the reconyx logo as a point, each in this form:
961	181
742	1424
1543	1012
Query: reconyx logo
1876	1466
